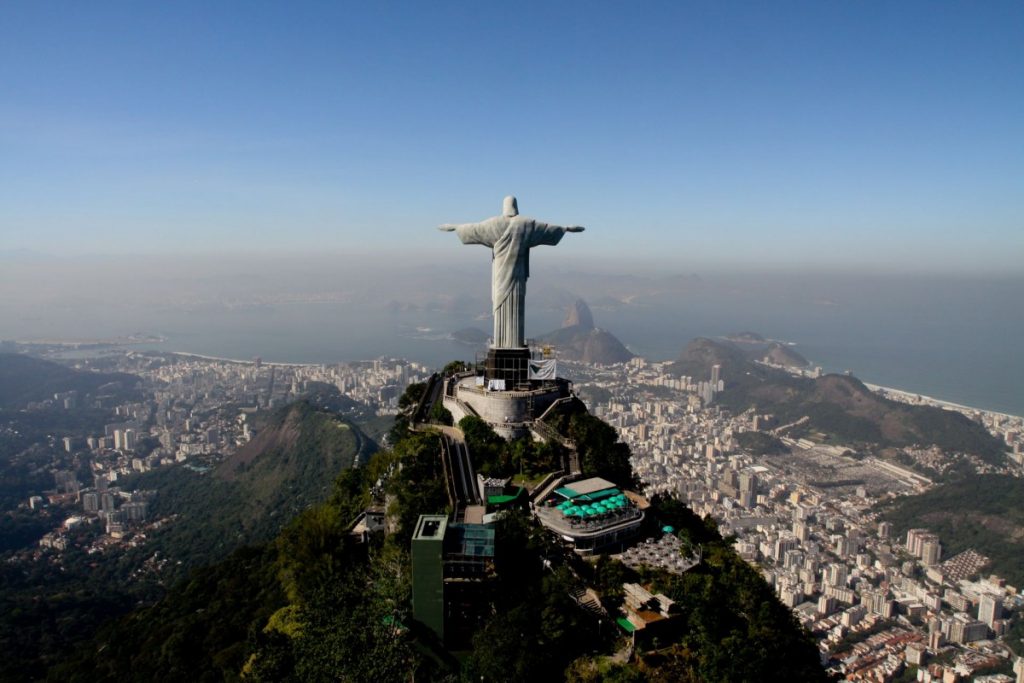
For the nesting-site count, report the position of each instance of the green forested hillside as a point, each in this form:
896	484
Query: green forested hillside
314	605
983	512
29	438
25	378
289	467
838	406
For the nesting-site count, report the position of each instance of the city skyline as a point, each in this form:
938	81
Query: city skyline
868	136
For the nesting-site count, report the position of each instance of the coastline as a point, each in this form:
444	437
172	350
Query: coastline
911	397
894	393
903	395
242	361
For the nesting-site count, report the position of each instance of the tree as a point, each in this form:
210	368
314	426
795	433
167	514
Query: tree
455	367
411	396
440	414
489	451
601	453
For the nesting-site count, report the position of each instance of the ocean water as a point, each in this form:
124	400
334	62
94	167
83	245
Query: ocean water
958	340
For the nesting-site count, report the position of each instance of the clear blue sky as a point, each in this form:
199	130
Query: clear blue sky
768	133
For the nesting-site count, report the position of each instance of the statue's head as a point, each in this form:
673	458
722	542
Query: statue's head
511	208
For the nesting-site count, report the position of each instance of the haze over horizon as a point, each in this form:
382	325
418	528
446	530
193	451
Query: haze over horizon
791	137
261	420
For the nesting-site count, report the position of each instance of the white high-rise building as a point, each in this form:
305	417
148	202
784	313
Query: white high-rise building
837	575
990	608
931	551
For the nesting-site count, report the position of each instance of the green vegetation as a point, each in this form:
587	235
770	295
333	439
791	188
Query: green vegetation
979	511
760	443
315	605
594	395
601	454
495	457
253	494
455	367
48	606
839	407
29	439
1014	638
441	415
200	633
407	404
24	379
537	629
418	487
734	629
411	395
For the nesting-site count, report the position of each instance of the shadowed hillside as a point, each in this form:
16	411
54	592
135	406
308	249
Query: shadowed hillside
981	512
25	378
286	468
839	406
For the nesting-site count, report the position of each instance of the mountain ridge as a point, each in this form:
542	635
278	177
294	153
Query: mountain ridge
578	339
839	406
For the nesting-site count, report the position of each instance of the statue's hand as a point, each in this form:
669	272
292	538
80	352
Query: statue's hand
575	228
447	227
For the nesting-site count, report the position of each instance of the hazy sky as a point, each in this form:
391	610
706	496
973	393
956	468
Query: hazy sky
849	134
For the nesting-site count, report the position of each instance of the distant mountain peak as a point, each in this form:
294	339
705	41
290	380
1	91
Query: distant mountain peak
579	315
579	339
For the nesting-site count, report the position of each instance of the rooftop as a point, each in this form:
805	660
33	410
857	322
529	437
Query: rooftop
592	485
431	528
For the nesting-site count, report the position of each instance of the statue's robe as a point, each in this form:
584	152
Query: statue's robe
511	239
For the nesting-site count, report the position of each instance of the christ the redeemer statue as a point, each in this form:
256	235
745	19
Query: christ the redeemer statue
510	236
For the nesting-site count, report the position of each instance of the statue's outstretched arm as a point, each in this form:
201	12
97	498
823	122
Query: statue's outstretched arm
559	228
545	233
485	233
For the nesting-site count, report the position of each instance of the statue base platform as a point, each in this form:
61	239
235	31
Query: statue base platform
511	413
510	365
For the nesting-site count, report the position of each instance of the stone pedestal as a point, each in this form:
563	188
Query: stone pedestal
511	365
510	413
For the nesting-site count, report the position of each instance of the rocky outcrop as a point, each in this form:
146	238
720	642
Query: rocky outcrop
579	316
777	354
578	339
